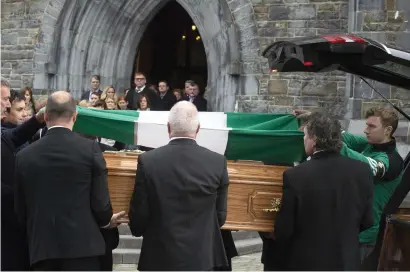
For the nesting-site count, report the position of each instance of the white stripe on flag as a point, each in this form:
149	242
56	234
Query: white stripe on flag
151	130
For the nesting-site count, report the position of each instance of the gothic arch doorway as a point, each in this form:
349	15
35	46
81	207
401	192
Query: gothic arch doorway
171	49
82	38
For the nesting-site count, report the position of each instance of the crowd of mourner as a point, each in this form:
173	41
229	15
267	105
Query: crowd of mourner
57	213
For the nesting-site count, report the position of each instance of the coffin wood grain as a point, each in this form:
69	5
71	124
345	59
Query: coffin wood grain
251	190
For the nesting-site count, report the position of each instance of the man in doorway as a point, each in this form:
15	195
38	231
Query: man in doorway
378	150
326	202
197	98
166	98
188	89
141	88
180	209
94	88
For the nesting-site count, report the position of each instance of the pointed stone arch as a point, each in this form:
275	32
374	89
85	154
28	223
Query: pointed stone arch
79	38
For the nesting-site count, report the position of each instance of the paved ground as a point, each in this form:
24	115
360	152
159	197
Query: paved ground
251	262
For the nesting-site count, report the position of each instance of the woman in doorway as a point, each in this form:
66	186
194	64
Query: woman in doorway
109	92
143	103
122	103
178	94
110	104
29	100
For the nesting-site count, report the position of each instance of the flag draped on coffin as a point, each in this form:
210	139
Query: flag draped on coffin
271	138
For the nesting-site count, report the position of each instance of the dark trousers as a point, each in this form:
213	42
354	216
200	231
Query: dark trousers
74	264
365	251
225	268
106	261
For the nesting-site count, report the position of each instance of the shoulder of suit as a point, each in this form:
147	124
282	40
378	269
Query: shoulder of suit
208	152
353	163
197	148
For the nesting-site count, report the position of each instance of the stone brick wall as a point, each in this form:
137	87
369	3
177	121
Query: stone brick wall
20	24
285	19
386	21
28	27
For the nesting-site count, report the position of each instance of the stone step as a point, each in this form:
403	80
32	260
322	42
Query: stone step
129	241
125	256
244	234
129	248
124	229
248	246
237	235
131	256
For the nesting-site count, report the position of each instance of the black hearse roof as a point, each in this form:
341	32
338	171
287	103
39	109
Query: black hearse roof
345	52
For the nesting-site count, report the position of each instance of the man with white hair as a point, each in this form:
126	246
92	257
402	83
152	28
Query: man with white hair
180	199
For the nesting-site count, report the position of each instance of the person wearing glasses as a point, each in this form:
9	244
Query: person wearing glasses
141	88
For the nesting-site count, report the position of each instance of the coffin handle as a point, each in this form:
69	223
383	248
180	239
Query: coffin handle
275	205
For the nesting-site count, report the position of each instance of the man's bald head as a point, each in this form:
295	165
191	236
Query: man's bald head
183	120
60	107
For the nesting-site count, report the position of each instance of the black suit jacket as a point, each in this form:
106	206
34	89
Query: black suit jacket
326	202
14	251
178	205
132	98
167	102
200	102
62	196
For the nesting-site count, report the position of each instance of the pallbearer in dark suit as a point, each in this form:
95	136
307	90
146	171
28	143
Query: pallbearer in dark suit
230	250
326	202
62	195
180	199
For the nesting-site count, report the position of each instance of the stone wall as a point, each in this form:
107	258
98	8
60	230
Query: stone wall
386	21
285	19
20	24
40	48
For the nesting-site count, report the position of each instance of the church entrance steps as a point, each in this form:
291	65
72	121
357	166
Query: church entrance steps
129	248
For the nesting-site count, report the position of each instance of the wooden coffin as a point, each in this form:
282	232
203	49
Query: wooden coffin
254	192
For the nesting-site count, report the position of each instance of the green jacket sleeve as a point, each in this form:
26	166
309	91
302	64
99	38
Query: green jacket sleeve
378	162
355	142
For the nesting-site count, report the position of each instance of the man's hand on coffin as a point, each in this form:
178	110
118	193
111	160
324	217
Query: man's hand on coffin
301	113
117	219
40	104
40	115
303	116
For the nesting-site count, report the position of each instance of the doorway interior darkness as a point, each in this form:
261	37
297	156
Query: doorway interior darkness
171	49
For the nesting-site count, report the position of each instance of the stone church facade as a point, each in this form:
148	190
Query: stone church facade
58	44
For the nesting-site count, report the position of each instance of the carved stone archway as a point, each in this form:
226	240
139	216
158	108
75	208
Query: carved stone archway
101	37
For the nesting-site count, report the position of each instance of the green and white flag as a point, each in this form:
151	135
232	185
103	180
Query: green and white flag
271	138
151	130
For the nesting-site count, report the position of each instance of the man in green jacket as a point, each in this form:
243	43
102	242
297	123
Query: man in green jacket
378	149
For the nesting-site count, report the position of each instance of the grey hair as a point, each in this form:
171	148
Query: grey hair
183	119
327	132
5	83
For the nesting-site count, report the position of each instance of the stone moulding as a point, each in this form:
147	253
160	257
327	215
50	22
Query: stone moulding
82	38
